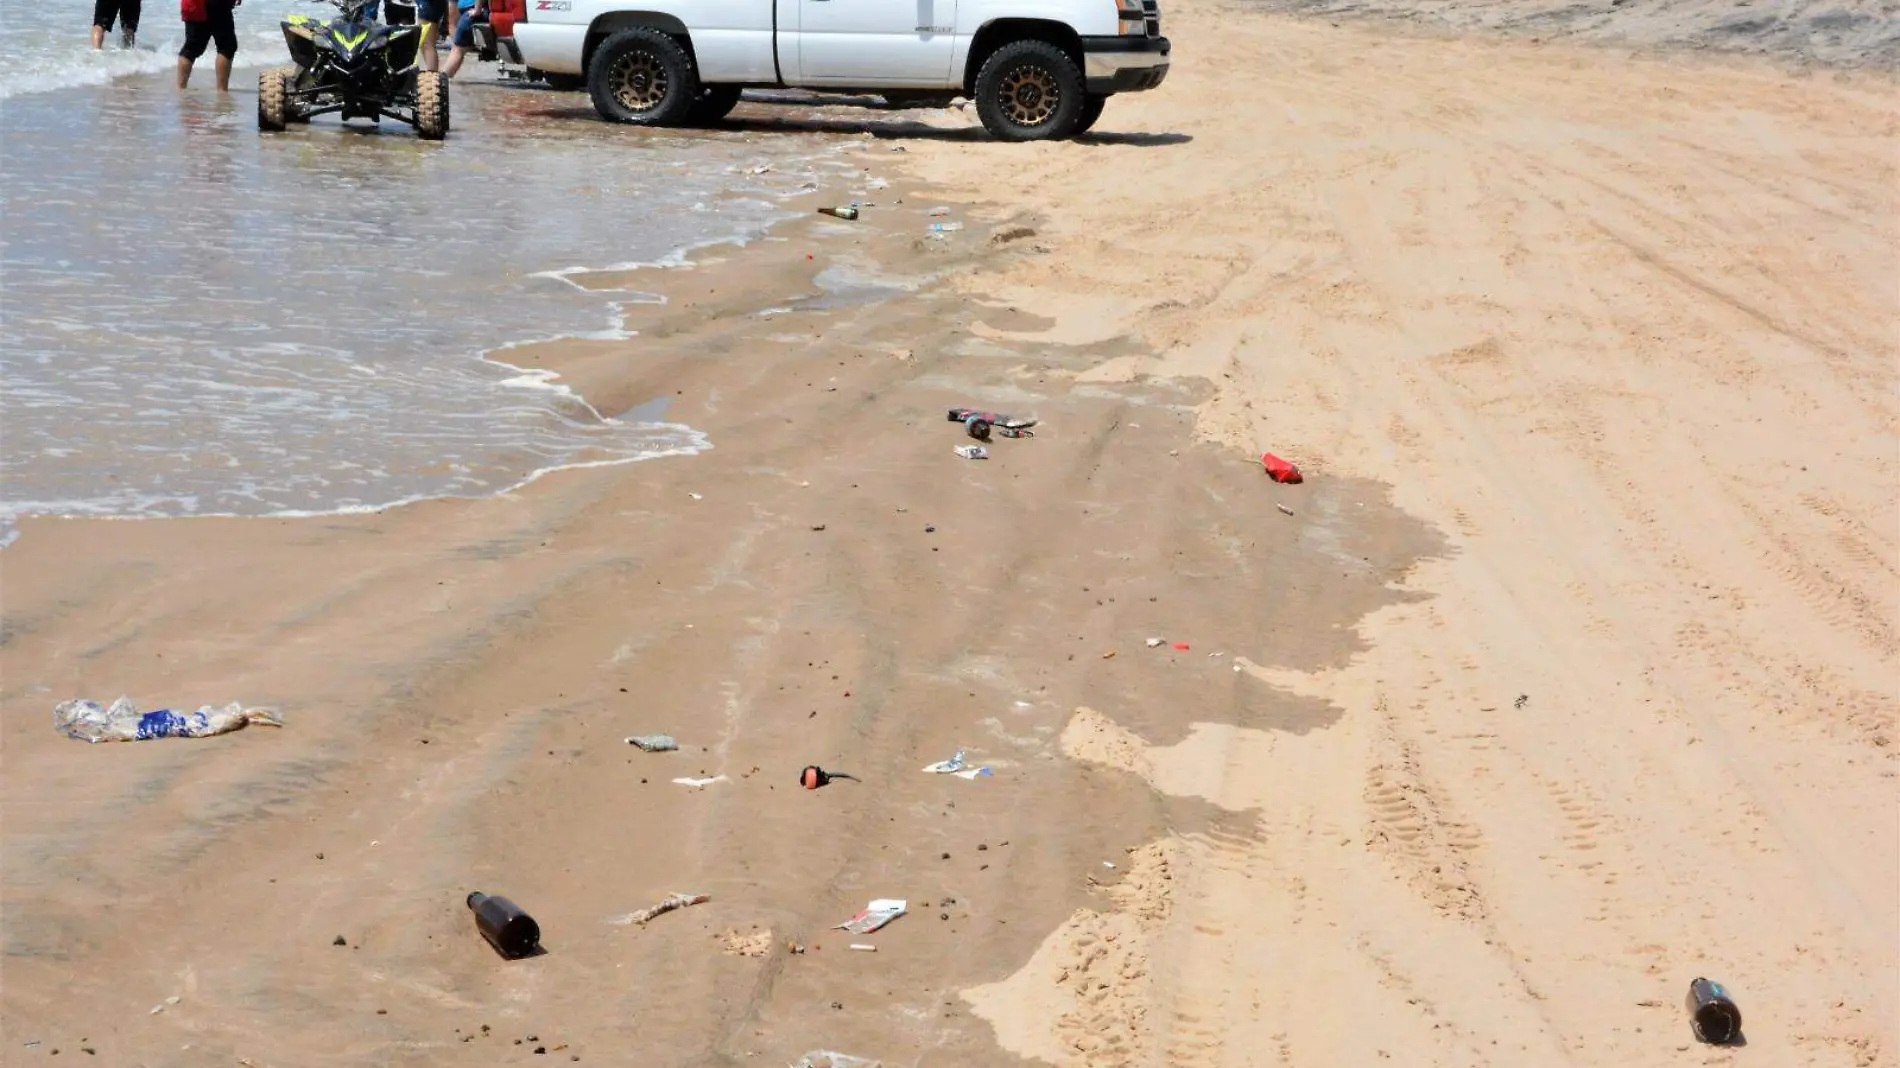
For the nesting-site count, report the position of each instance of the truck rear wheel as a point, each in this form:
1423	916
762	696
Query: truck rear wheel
1030	91
714	104
1091	110
432	105
643	77
273	99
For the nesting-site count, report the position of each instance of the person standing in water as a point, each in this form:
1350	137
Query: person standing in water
207	21
470	12
429	14
105	13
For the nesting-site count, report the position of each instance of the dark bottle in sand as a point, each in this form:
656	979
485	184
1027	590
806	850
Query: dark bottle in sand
1717	1021
511	931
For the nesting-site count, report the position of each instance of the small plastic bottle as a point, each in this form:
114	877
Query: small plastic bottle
511	931
1717	1021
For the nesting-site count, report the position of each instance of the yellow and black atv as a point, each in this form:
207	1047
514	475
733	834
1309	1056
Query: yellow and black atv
355	67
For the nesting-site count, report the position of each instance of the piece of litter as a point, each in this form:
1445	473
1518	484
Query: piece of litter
938	213
123	722
1180	647
1156	643
173	1000
945	227
973	452
975	773
875	915
1284	508
763	168
1108	865
1280	470
862	947
666	905
654	743
1110	655
824	1058
701	782
946	767
696	496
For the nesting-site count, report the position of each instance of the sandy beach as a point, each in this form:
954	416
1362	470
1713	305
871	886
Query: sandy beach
1568	674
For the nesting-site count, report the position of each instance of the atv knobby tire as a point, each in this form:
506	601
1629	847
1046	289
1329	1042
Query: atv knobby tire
713	105
432	105
273	99
643	77
1030	91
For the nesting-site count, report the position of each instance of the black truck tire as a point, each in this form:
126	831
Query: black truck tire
1091	111
432	105
273	99
643	77
714	104
1030	91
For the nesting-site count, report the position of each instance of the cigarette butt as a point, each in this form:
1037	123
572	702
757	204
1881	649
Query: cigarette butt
1110	655
1284	508
863	948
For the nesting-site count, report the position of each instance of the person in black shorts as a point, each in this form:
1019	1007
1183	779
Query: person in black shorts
207	21
429	15
106	12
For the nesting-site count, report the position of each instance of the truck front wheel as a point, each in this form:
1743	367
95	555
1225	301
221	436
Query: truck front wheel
1030	91
1091	110
642	76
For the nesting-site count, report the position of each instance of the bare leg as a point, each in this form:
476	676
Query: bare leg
184	71
224	74
455	61
426	50
98	38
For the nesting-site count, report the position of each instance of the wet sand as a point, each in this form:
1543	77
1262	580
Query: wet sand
1595	405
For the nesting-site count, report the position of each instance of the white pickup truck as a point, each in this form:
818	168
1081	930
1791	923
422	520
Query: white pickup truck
1035	69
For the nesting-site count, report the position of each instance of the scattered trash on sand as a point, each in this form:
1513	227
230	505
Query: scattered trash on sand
696	496
666	905
977	427
814	776
946	767
1156	643
763	168
1110	655
945	227
757	944
1009	426
824	1058
863	947
974	774
973	452
939	212
875	915
1713	1014
654	743
1280	470
1284	509
1180	647
846	213
700	782
1522	700
512	932
123	722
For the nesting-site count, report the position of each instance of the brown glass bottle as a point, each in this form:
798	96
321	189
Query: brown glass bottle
511	931
1717	1021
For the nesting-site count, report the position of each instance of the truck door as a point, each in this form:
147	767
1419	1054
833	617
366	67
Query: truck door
875	43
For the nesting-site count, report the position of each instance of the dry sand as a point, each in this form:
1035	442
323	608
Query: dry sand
1571	677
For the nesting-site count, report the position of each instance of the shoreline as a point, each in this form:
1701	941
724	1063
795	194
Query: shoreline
1428	783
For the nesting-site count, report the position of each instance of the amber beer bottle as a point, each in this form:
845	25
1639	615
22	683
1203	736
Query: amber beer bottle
511	931
1717	1021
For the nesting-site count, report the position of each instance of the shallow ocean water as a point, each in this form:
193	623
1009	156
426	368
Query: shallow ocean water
196	318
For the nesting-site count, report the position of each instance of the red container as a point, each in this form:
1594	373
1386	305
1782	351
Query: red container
1280	470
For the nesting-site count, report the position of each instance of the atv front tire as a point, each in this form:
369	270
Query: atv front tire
432	105
643	77
1030	91
713	105
273	100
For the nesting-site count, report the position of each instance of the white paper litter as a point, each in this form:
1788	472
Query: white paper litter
875	915
701	782
946	767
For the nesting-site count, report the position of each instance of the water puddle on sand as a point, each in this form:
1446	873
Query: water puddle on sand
205	320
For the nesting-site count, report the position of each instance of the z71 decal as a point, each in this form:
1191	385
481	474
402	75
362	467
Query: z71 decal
553	5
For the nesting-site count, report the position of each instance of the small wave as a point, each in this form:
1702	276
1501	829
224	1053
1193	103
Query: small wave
47	58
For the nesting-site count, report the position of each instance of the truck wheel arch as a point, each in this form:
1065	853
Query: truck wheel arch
615	21
999	32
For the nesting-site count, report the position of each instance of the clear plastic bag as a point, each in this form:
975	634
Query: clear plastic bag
123	722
